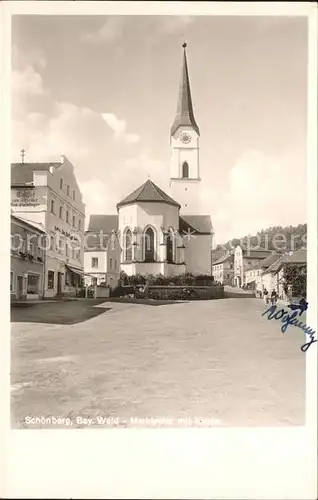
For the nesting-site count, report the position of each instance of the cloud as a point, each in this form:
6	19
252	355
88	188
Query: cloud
95	199
173	24
262	192
23	59
102	196
115	26
119	128
27	81
110	31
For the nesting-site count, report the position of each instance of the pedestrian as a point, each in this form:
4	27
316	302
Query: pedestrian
265	296
274	297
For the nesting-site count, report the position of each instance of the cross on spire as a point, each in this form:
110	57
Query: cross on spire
23	155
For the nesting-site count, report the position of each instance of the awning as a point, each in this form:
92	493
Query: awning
75	270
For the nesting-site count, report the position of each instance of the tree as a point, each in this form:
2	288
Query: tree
295	276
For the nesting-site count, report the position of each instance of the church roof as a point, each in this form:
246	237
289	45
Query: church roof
256	253
30	223
192	224
185	115
224	258
297	257
96	242
22	173
148	192
101	222
197	224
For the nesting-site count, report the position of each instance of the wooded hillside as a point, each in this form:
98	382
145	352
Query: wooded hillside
273	238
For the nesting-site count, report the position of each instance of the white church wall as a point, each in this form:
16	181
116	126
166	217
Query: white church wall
174	269
157	215
127	216
187	193
198	254
148	214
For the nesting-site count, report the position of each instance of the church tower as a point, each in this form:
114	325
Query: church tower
184	142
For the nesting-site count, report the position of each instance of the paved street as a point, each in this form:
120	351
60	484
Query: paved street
216	360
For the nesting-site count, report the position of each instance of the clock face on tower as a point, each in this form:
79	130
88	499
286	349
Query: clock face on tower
185	137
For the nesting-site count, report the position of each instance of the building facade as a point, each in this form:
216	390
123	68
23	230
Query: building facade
48	193
102	253
253	276
223	269
27	259
148	222
273	278
245	260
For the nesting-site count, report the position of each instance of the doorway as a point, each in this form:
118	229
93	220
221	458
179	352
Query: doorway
19	287
59	283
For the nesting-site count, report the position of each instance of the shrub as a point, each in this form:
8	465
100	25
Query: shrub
295	276
185	293
186	279
121	291
123	278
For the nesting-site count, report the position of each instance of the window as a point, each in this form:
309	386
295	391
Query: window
52	243
110	263
61	183
73	195
79	224
67	250
185	170
68	190
33	249
61	245
115	264
149	245
94	262
73	220
128	245
61	213
68	278
52	207
170	247
50	280
33	284
11	281
67	215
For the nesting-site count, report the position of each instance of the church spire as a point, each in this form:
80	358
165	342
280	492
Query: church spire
185	114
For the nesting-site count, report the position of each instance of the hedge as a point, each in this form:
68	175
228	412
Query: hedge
171	292
185	292
159	279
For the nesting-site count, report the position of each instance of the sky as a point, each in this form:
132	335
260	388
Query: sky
102	90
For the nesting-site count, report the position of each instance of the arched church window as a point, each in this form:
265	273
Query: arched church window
128	245
185	169
170	247
149	242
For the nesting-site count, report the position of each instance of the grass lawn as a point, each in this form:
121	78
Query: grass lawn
57	313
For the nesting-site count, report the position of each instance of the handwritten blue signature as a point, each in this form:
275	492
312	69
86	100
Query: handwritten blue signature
288	318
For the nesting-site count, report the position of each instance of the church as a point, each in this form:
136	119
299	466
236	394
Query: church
166	233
